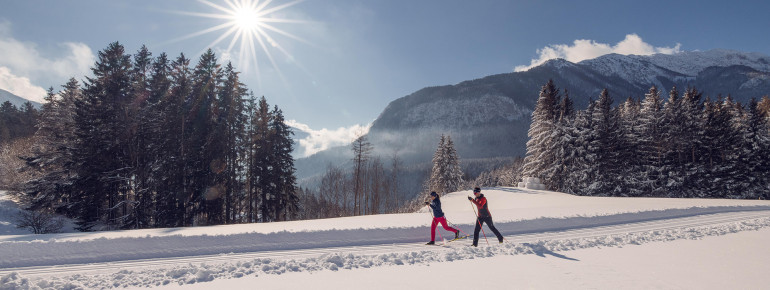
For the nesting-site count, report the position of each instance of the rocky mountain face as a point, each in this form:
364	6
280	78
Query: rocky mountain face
489	117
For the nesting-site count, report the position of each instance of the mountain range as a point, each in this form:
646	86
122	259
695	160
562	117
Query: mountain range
488	118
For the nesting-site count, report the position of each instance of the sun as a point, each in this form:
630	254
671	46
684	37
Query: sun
249	25
246	18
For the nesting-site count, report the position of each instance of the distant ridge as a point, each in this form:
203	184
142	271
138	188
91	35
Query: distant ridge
14	99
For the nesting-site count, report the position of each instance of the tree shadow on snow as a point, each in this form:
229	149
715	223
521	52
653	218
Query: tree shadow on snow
541	251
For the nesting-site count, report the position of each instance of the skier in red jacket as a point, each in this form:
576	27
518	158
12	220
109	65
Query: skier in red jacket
484	216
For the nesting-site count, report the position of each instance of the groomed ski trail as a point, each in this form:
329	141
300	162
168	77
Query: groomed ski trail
605	231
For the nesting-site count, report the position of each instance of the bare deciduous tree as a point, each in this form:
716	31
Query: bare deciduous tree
39	222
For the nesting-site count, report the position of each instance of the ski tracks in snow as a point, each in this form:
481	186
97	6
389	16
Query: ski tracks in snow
540	237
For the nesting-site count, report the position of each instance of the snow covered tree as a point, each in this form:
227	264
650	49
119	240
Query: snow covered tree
540	155
716	162
629	158
756	148
604	148
51	154
673	120
651	143
557	172
446	175
692	133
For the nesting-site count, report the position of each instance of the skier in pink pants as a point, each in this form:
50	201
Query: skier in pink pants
438	217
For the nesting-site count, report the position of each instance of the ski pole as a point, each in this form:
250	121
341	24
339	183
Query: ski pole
479	222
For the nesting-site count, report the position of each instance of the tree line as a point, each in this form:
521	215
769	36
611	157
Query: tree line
369	186
17	122
685	146
155	142
374	186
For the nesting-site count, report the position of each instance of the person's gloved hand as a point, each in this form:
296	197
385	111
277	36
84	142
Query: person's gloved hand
470	198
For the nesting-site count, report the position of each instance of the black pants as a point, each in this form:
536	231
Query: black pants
491	226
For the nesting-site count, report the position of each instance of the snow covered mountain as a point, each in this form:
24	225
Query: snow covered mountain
14	99
489	117
747	72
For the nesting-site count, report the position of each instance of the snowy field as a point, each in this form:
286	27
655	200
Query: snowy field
553	240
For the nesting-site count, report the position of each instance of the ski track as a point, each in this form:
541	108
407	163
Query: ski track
609	231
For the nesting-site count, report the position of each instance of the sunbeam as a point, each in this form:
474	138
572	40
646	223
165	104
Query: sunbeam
247	27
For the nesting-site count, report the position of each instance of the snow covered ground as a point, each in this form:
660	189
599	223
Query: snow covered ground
554	240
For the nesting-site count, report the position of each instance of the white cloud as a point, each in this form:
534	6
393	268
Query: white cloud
318	140
583	49
28	63
20	86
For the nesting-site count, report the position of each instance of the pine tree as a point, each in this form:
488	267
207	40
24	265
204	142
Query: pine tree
454	175
651	143
577	161
557	173
541	133
51	154
173	194
628	157
99	155
439	166
716	149
604	148
741	154
260	160
446	175
692	133
756	151
230	128
672	177
285	202
201	153
142	146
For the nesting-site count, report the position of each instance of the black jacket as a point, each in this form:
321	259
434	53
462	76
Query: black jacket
436	206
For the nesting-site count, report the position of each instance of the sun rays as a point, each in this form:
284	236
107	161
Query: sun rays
248	25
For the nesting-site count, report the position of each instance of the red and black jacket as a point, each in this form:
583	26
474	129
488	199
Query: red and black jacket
481	203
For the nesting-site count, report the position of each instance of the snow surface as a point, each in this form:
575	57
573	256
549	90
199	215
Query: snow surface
8	211
554	240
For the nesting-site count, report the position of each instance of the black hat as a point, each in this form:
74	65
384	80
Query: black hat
433	193
477	189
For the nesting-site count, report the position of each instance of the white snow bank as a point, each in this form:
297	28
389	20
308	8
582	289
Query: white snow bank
197	273
734	261
515	211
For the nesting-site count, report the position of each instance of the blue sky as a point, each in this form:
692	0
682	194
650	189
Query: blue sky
341	62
